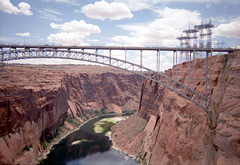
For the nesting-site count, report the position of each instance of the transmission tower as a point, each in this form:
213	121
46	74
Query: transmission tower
191	37
205	34
182	45
191	34
205	30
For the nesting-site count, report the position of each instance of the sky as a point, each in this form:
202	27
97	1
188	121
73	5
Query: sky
116	22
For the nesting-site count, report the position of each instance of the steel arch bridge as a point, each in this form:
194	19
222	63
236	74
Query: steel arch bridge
16	52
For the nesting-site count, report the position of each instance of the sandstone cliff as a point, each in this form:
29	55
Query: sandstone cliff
36	100
178	132
110	91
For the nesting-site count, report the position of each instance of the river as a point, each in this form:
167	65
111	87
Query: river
86	147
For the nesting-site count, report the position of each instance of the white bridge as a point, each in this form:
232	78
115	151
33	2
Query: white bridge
16	52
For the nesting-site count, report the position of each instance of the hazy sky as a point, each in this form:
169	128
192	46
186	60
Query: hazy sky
115	22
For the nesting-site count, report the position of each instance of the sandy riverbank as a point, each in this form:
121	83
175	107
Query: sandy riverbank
115	120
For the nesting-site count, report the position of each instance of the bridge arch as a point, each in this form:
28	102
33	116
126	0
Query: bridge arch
172	84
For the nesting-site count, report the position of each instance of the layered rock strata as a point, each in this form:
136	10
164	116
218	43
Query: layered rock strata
36	100
106	91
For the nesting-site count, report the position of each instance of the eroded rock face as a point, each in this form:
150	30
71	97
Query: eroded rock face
30	110
36	100
179	132
114	92
128	135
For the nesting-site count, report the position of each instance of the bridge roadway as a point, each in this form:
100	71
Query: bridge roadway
229	50
15	52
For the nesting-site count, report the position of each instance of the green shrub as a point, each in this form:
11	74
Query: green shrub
103	110
49	139
129	112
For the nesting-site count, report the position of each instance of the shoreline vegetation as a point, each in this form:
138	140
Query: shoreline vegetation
73	124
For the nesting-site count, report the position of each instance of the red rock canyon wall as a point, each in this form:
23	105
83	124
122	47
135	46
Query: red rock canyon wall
35	101
178	131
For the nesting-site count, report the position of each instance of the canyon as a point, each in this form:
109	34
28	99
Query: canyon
37	100
169	129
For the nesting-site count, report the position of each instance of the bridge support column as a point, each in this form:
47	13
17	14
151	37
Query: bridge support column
2	57
176	64
190	61
211	76
173	65
125	57
110	55
141	59
206	79
193	81
158	63
212	119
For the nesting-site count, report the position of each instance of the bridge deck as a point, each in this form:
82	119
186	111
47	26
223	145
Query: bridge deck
120	48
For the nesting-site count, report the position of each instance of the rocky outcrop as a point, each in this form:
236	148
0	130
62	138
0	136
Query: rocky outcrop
114	92
36	100
25	122
128	136
179	132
